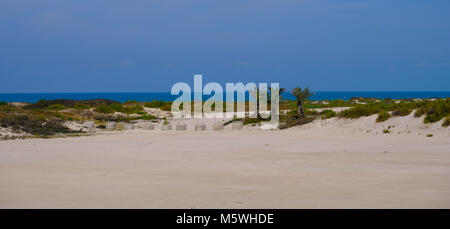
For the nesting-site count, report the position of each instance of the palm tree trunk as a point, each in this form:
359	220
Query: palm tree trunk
258	116
301	113
257	111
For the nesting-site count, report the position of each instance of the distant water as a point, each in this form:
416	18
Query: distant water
149	96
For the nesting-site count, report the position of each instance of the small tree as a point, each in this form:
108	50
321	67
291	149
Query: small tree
302	96
255	93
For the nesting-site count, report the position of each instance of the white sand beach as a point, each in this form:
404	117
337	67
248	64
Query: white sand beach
313	166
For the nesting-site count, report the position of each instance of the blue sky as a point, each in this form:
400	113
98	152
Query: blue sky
148	45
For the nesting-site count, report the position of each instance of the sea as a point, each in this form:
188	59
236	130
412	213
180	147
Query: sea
166	96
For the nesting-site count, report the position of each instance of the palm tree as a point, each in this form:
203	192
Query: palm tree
302	96
255	93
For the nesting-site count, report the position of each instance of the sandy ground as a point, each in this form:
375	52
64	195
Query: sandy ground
294	168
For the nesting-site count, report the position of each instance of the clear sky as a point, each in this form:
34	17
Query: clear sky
148	45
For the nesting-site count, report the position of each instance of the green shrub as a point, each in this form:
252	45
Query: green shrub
2	103
106	109
141	112
323	104
81	106
419	112
326	114
446	122
429	135
310	112
167	107
136	109
383	116
129	102
253	120
68	103
117	107
59	115
147	117
436	110
115	119
8	108
291	121
155	104
401	111
35	126
232	120
433	110
56	107
360	111
432	117
386	131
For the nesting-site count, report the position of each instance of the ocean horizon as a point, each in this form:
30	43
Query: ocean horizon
166	96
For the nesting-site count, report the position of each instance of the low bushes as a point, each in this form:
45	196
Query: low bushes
167	107
436	110
433	110
383	116
131	102
124	118
107	109
326	114
291	119
155	104
81	106
56	107
147	117
35	126
325	103
117	107
164	106
308	112
446	121
401	111
42	104
248	121
7	108
419	112
360	111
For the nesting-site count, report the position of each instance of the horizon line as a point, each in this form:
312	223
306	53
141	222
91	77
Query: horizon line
141	92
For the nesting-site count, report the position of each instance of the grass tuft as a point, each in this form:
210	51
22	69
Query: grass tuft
383	116
326	114
446	121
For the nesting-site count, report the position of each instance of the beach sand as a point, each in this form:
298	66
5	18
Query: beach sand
294	168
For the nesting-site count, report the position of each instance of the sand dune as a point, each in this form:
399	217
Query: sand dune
407	125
